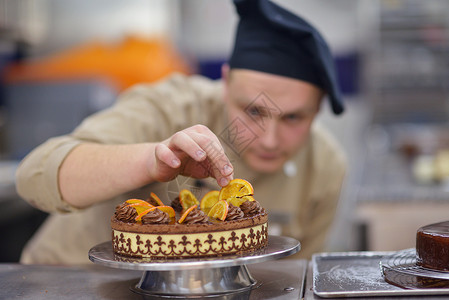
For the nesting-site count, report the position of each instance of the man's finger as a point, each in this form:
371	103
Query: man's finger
164	154
184	142
215	154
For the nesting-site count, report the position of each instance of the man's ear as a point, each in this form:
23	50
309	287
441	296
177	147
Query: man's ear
225	76
225	72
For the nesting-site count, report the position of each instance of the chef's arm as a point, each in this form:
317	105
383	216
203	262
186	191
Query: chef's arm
93	172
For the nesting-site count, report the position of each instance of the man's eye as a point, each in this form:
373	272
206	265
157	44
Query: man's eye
254	111
292	117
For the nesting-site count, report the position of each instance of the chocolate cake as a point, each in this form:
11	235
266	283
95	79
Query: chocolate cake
432	246
155	234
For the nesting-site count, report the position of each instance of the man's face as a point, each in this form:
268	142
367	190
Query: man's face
274	112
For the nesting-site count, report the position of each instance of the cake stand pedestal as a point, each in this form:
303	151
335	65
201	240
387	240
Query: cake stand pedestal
225	277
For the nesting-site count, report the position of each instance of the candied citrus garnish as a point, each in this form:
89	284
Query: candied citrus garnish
146	204
156	198
209	200
238	201
249	198
236	188
137	201
219	210
139	205
187	199
140	208
186	213
167	209
143	212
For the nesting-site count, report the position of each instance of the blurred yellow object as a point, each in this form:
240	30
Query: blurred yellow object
134	60
432	168
441	165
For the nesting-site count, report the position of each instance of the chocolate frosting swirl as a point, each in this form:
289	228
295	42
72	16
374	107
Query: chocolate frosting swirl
156	216
196	216
234	213
152	201
250	208
125	213
176	204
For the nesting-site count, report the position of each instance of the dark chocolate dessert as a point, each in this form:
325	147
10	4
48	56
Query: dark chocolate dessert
432	246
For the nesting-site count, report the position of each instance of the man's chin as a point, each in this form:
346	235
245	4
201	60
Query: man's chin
264	166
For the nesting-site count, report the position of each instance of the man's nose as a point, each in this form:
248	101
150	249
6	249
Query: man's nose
269	136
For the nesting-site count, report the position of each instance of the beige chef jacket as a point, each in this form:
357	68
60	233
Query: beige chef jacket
301	199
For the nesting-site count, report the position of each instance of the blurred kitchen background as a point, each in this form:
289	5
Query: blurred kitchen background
61	60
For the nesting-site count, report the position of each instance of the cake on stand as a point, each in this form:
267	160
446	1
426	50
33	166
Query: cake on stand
195	277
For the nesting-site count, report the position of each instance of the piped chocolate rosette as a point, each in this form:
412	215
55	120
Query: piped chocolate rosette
137	210
251	208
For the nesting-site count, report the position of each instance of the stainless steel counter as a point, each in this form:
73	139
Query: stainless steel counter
280	279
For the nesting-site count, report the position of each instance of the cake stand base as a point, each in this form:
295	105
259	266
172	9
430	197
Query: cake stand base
211	282
224	277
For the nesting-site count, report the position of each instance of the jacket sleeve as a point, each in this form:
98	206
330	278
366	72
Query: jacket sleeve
145	113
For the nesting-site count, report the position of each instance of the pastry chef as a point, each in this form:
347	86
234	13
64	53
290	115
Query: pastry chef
257	123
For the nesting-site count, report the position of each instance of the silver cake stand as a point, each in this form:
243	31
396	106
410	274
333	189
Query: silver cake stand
196	277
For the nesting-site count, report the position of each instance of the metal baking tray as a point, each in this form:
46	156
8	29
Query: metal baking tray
357	274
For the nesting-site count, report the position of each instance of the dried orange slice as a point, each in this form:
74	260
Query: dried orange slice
139	205
137	201
141	208
186	213
236	188
187	199
238	201
146	204
209	200
156	198
219	210
167	209
143	212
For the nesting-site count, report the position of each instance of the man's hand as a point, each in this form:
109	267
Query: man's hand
195	152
